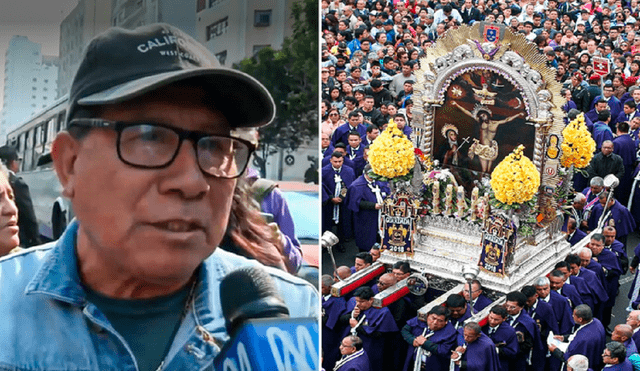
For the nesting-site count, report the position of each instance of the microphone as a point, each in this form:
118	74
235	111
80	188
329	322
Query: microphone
263	336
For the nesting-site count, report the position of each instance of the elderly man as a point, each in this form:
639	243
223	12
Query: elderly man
151	165
574	234
614	357
578	362
354	357
559	304
623	333
478	299
475	351
633	320
436	338
588	339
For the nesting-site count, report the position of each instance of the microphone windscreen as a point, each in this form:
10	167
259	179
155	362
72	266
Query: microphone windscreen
249	293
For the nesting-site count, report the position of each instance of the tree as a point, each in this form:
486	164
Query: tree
291	75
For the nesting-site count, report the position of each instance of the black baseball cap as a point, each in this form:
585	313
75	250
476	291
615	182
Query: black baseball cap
121	64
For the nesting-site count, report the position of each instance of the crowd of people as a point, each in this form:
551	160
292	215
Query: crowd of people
370	53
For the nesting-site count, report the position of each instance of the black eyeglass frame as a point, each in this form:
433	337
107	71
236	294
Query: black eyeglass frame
193	136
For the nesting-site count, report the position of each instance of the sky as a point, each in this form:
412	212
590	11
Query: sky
38	20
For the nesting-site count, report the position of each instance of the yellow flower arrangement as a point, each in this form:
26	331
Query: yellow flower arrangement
578	145
391	155
515	179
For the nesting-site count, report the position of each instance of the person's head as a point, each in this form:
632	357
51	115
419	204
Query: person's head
457	305
531	295
563	267
375	249
629	106
472	332
354	139
9	238
385	281
437	318
579	201
476	290
343	272
607	91
401	270
149	159
609	234
327	282
354	118
614	353
10	159
542	286
633	319
337	159
636	95
364	297
582	314
556	279
578	362
574	263
363	260
596	184
400	120
585	255
515	302
372	133
496	316
604	115
350	345
622	333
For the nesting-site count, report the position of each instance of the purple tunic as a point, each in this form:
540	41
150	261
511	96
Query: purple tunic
524	323
577	236
563	312
376	329
332	309
621	217
569	291
358	361
609	261
594	284
341	134
624	366
481	302
328	187
458	322
506	341
445	338
588	341
626	148
544	316
365	220
275	204
586	294
480	355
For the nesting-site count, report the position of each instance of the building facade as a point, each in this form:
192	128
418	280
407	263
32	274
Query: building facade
223	25
86	20
30	83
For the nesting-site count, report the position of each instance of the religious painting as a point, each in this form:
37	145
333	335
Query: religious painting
482	120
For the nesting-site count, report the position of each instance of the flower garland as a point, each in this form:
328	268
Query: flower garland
392	155
515	180
578	145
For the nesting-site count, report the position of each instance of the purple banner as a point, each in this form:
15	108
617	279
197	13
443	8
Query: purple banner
498	239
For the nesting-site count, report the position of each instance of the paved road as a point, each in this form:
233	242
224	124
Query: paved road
619	311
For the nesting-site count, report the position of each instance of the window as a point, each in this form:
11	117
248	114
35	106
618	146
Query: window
222	57
201	5
262	18
257	48
217	28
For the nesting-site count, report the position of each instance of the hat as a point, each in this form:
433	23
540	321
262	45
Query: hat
594	77
8	154
377	23
342	45
388	22
120	64
375	83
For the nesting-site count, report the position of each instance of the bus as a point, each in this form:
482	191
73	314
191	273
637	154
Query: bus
33	140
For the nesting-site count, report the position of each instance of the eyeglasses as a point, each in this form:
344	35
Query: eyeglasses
333	114
147	145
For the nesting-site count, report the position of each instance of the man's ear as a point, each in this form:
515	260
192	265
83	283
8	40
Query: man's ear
64	153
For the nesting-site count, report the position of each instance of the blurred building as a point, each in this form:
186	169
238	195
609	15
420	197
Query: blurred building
86	20
234	30
30	83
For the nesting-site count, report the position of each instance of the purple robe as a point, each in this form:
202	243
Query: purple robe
585	292
625	147
481	302
544	316
635	205
525	324
609	260
569	291
347	162
341	134
624	366
480	355
358	361
632	289
601	133
376	329
631	347
458	322
275	204
636	338
327	151
595	285
445	339
365	220
357	156
588	341
577	236
563	312
620	218
332	309
329	186
506	342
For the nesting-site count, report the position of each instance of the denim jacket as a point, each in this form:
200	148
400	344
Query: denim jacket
46	323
